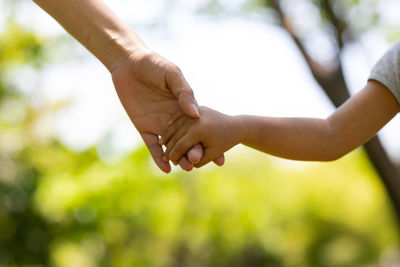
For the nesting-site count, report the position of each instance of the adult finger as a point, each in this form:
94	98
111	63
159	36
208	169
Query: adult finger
156	151
182	91
209	155
195	153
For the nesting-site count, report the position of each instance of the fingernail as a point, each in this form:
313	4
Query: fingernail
160	141
196	110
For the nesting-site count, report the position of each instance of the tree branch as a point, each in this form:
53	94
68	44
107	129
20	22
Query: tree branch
319	72
336	22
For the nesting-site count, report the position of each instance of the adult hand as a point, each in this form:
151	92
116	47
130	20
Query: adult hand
151	89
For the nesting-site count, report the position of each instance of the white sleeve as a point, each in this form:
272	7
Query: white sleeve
387	70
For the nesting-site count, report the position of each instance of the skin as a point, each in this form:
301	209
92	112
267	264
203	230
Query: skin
307	139
150	87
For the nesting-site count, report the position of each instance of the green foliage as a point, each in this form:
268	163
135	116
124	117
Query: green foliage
252	212
19	46
252	5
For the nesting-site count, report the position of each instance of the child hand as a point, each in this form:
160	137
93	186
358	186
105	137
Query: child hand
214	130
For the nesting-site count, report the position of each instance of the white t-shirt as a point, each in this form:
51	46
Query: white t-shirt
387	70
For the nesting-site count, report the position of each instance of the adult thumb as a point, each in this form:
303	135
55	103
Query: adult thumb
182	91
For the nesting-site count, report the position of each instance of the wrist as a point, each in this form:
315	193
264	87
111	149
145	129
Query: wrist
238	128
126	49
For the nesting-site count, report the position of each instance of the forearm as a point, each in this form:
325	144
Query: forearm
96	27
350	126
291	138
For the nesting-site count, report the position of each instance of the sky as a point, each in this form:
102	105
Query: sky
234	64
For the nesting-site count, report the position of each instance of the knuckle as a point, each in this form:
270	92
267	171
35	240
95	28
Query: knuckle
175	70
187	90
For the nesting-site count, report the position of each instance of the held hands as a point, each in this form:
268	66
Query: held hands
151	89
214	130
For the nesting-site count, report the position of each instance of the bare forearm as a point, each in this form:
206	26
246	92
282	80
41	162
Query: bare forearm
291	138
96	27
350	126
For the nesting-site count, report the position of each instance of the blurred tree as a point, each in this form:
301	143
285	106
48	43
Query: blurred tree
334	24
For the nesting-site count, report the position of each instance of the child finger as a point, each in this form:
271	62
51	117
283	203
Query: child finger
174	139
185	164
171	130
220	160
209	155
175	117
182	146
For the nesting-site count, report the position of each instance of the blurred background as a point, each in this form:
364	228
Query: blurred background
78	187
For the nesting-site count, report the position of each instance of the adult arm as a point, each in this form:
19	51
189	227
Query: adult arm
97	28
150	87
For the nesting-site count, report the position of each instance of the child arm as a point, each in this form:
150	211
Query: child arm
350	126
308	139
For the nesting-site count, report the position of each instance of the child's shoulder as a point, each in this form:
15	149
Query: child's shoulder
387	70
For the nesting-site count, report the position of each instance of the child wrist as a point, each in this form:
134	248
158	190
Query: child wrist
238	128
